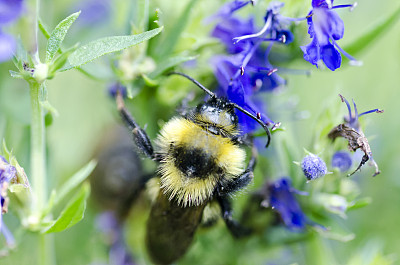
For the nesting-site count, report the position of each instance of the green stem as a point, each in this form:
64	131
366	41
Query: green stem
38	172
46	252
38	155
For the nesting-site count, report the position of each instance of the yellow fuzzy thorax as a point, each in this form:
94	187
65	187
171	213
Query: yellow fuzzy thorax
195	191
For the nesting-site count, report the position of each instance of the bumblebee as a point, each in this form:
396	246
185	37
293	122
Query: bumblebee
201	162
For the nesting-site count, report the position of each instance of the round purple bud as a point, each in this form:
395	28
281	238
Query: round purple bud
117	86
342	160
313	167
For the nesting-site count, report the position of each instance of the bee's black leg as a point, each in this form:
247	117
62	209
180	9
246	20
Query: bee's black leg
240	181
140	137
234	226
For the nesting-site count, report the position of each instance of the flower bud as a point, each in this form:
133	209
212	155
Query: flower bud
313	167
342	160
41	72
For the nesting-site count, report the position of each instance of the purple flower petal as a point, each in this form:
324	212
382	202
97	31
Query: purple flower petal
336	25
10	241
10	10
8	46
231	28
325	27
94	11
227	10
311	52
284	202
331	57
321	3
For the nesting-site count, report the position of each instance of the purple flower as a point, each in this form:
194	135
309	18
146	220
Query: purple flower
342	160
247	71
108	223
232	27
238	89
273	29
10	10
352	119
94	11
228	9
325	27
7	173
313	167
117	87
282	200
7	47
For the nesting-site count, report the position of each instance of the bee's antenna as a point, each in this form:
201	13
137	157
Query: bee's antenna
195	82
263	124
256	118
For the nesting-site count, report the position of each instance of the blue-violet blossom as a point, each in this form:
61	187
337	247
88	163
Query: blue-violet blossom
325	27
119	254
94	11
247	70
7	173
117	87
342	160
10	10
282	200
352	119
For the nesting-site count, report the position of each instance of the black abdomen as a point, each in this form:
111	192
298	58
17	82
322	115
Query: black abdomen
170	229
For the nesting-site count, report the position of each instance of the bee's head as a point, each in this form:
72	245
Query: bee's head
220	112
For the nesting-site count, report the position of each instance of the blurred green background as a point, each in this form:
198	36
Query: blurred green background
87	114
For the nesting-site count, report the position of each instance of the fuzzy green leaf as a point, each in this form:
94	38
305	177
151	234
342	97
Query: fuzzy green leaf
174	34
373	34
74	181
100	47
47	106
16	75
72	213
58	35
360	203
140	14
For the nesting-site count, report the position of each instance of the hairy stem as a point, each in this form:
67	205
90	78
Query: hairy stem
38	155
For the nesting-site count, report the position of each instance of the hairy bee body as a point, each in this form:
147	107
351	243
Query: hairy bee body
201	161
195	161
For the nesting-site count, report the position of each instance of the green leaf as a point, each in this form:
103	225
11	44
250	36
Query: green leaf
47	106
43	29
72	213
16	74
74	181
140	15
360	203
149	82
169	63
100	47
373	34
168	45
58	35
61	60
